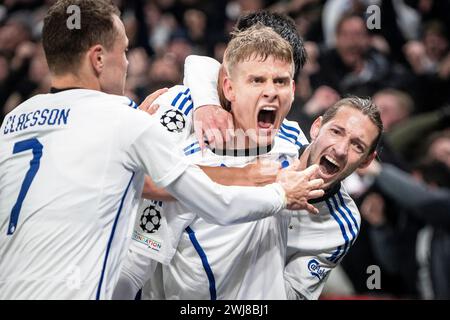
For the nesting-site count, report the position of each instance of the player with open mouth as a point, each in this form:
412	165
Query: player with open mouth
267	101
342	143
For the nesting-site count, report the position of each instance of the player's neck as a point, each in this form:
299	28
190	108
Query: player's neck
70	80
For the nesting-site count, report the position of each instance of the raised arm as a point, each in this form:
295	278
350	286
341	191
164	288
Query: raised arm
210	119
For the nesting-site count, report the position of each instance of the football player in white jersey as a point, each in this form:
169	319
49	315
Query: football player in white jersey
342	140
72	166
311	255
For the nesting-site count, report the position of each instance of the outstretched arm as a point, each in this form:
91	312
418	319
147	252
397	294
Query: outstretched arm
256	174
432	206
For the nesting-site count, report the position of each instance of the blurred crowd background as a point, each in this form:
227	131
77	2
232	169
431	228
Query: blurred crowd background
404	65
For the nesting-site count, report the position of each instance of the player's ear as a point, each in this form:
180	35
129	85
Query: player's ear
228	88
315	127
368	160
96	58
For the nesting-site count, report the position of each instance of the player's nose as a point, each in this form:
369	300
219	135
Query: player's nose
270	90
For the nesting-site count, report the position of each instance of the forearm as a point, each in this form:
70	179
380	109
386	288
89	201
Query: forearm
229	176
221	175
225	205
429	205
407	135
152	192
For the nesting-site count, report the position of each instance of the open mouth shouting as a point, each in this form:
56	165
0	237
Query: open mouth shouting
266	118
328	166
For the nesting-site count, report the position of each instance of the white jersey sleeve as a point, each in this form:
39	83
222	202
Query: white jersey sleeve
200	75
318	243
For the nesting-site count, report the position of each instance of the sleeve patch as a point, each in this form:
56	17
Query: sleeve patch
183	102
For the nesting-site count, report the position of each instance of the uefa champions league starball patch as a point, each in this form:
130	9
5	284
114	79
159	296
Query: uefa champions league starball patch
173	120
150	220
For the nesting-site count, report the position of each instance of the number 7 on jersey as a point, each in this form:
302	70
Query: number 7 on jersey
21	146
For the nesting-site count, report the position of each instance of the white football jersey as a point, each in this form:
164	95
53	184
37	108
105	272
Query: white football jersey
317	243
71	175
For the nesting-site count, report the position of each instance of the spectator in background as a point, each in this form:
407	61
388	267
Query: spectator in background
439	147
354	67
180	46
322	99
333	11
430	206
395	106
410	138
195	21
310	103
14	32
431	10
429	60
384	221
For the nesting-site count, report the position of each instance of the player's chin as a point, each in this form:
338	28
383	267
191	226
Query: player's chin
330	180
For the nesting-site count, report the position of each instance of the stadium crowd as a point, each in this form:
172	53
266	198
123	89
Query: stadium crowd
402	62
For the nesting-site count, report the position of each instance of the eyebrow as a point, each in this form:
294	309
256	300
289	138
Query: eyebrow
354	139
285	78
253	76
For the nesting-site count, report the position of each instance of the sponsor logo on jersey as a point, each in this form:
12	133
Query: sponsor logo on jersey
149	242
316	270
173	120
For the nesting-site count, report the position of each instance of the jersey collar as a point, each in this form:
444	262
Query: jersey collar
56	90
328	194
242	152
